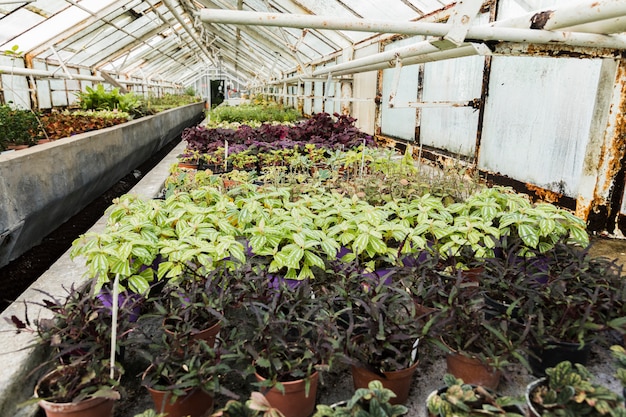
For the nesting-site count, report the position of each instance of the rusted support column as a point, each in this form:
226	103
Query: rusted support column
347	94
607	143
32	85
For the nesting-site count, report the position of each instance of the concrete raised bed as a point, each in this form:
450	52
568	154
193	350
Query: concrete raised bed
43	186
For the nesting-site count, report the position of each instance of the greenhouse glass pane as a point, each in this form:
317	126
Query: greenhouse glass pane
50	28
95	6
16	23
370	9
50	7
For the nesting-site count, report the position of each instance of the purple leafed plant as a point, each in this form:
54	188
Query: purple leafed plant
321	130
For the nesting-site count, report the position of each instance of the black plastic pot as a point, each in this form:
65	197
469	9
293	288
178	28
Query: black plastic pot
494	308
552	353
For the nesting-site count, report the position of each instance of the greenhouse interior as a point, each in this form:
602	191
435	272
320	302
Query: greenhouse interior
328	208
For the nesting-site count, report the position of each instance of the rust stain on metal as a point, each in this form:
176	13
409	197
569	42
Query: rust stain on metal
555	50
539	20
611	154
544	194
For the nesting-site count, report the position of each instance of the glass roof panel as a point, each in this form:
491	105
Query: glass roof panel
50	27
396	10
16	23
146	36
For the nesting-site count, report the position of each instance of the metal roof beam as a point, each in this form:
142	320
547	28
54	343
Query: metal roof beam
381	60
27	72
172	8
484	32
591	16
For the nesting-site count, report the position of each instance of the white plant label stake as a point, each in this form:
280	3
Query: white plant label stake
225	155
362	160
114	308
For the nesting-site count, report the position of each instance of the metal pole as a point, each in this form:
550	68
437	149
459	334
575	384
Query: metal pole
481	33
584	12
172	9
580	17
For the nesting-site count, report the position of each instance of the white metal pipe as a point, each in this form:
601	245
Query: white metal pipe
243	17
483	32
567	17
460	52
7	70
511	34
616	25
576	15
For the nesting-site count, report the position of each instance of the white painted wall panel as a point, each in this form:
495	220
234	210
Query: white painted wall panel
43	87
308	103
537	119
400	122
318	101
364	87
451	128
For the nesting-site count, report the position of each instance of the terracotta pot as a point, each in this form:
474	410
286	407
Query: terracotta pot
17	147
228	184
209	334
293	402
397	381
196	403
472	370
186	165
42	141
91	407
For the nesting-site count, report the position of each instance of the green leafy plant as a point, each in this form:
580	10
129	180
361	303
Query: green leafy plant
584	293
366	402
384	326
464	400
78	381
495	339
99	98
150	413
256	406
19	127
619	355
179	371
286	334
568	390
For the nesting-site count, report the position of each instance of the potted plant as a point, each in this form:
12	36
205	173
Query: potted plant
193	305
183	382
579	303
568	389
619	354
478	345
256	406
383	332
84	386
190	159
77	337
458	398
286	335
375	400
